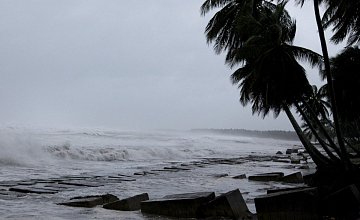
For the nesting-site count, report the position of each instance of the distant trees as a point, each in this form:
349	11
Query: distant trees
258	36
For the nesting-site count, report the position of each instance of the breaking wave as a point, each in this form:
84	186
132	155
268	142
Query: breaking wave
19	149
105	154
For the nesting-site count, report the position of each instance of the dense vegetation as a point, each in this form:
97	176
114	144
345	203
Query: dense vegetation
257	37
275	134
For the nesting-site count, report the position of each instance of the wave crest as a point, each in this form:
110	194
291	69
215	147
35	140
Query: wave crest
104	154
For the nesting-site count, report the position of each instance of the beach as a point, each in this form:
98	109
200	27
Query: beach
127	163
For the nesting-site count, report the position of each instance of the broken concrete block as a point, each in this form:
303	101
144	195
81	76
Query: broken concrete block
279	153
230	204
267	176
84	202
32	190
220	175
293	204
295	160
80	183
241	176
280	160
292	151
178	205
90	201
304	167
293	178
129	204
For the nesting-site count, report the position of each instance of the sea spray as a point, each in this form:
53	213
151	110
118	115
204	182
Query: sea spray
18	148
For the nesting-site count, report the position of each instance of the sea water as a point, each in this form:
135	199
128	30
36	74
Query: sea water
27	154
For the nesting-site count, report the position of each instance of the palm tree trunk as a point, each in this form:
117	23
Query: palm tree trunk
330	81
319	159
317	136
321	126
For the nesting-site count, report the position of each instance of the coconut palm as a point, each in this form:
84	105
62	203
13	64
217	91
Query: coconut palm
317	99
314	112
233	24
344	18
318	126
329	78
272	79
345	69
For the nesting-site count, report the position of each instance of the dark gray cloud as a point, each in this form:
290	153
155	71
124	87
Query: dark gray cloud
124	64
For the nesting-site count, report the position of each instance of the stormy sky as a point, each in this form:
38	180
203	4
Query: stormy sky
136	64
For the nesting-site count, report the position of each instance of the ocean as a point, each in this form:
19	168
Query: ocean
209	161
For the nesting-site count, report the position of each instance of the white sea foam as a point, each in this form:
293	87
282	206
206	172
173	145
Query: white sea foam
18	148
44	153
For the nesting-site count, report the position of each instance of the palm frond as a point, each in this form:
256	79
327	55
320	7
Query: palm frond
303	54
208	5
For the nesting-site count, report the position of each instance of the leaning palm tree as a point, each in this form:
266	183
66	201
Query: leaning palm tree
330	81
272	79
316	100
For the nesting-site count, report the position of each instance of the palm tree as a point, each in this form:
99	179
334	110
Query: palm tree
233	24
345	69
318	105
313	110
344	17
317	99
330	81
272	79
259	35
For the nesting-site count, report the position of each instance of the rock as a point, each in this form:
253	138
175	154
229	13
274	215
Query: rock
220	175
85	202
129	204
144	173
80	183
121	178
293	204
178	205
304	167
241	176
279	153
165	170
230	204
123	175
90	201
26	183
176	168
343	204
32	190
292	151
106	197
77	177
295	160
293	178
281	160
267	176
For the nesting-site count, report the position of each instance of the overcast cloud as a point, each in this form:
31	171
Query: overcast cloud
136	64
